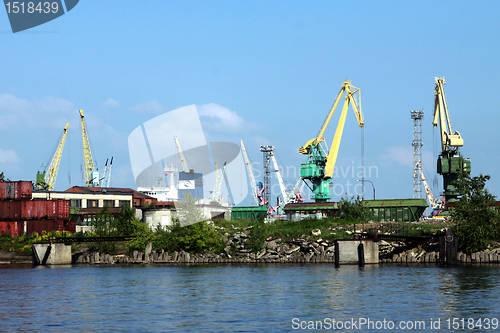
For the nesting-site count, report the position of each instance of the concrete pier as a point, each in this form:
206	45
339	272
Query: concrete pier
51	254
348	251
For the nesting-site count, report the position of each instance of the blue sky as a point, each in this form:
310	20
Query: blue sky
266	72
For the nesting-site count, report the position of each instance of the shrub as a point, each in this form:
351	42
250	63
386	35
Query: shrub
195	238
476	223
353	210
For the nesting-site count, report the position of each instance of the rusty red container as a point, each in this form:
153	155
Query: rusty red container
62	209
18	190
70	226
10	227
25	189
45	209
39	225
10	210
38	209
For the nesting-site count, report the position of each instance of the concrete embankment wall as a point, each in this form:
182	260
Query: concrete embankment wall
51	254
296	252
301	252
412	257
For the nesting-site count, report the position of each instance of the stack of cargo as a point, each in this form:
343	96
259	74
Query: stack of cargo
19	214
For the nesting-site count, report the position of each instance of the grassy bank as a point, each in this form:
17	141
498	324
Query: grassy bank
214	236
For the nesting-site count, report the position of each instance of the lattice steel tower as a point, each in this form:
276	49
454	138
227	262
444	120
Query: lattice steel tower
267	150
417	117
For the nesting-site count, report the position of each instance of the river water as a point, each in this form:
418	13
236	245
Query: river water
248	298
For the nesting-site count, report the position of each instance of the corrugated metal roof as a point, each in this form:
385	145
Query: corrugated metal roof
110	190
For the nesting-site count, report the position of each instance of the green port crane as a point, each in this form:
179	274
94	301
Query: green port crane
320	163
46	179
450	162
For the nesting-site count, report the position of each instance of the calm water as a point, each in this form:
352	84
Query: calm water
245	298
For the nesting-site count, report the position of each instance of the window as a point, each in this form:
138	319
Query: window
109	203
75	203
92	203
125	203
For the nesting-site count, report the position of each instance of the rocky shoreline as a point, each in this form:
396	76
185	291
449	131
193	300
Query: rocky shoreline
274	251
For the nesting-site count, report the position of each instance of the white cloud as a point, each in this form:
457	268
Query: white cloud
220	118
29	129
398	154
152	106
9	159
49	112
404	156
110	103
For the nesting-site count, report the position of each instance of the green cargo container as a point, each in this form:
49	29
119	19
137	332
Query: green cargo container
398	210
249	212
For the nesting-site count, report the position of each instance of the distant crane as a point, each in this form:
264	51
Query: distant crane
436	204
320	164
90	172
295	195
47	178
181	155
104	182
216	193
228	188
253	184
280	178
261	197
450	162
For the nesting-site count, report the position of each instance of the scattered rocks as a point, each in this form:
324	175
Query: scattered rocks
316	232
307	249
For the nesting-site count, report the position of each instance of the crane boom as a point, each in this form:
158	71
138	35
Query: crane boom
251	177
334	149
106	174
449	140
280	179
91	175
181	155
47	179
426	185
216	194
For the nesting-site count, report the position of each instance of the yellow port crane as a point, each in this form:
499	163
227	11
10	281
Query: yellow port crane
450	162
320	164
90	172
46	179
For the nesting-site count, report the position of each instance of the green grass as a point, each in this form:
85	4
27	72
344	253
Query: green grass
22	244
331	229
410	229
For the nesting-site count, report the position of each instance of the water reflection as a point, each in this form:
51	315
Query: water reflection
238	297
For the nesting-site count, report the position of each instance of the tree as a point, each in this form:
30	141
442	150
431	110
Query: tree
353	209
103	223
124	222
194	238
188	212
2	176
476	222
